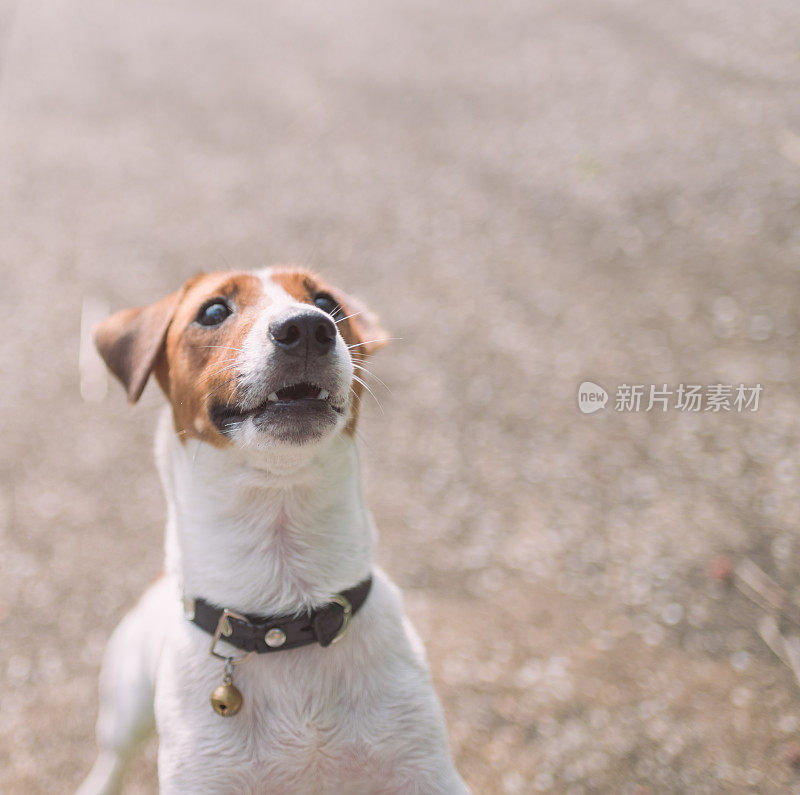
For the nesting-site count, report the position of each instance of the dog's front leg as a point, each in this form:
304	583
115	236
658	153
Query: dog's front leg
125	716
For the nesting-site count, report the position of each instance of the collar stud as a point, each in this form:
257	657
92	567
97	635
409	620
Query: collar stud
275	638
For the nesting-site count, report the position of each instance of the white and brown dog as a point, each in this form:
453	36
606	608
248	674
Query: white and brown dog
269	559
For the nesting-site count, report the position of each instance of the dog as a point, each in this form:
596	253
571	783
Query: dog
272	656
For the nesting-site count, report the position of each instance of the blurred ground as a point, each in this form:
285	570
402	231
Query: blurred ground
531	194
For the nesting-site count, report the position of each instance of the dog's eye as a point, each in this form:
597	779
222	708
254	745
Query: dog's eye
327	303
213	313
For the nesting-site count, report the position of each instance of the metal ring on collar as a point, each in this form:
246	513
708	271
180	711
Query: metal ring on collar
347	612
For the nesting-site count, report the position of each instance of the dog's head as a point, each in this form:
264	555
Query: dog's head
248	359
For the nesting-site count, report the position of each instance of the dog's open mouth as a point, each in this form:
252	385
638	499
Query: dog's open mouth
298	392
301	402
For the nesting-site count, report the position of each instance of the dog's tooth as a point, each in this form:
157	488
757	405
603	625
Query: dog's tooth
273	397
323	394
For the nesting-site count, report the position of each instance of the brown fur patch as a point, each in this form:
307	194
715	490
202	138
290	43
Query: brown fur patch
197	362
300	283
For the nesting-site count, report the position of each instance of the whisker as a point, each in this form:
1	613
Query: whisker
227	359
367	342
234	425
233	393
196	451
366	386
355	430
309	258
226	347
224	383
341	320
370	373
224	369
361	440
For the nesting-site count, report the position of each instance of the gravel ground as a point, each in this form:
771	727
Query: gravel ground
532	195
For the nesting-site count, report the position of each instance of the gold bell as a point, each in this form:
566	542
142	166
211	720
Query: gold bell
226	699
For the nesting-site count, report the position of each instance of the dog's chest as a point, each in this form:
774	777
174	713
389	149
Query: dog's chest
302	748
304	723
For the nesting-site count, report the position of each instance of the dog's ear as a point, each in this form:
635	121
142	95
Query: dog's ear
370	334
131	340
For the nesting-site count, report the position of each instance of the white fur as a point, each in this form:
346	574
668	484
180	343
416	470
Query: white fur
271	530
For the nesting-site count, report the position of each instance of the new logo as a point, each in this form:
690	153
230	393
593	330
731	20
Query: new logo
591	397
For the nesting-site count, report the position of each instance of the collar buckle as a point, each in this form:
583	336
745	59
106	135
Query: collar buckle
225	630
347	611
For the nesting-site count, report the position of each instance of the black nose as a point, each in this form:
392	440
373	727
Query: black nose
304	330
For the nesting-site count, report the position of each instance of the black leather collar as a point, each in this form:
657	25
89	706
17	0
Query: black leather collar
263	635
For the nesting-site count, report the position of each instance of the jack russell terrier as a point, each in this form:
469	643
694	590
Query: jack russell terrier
273	656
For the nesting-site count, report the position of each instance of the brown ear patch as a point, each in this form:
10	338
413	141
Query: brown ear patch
131	340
